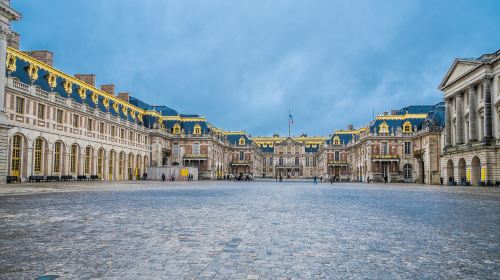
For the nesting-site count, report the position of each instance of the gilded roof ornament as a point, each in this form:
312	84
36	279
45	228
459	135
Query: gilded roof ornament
95	97
68	87
105	102
125	110
139	117
10	63
51	80
32	70
115	107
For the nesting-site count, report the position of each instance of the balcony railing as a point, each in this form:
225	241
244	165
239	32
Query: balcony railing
241	162
388	156
42	93
195	156
337	162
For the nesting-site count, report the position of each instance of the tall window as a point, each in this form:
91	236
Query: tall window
19	105
121	162
280	161
264	163
113	131
122	133
307	161
176	129
196	148
76	121
130	164
296	161
89	124
38	155
175	149
73	159
197	129
337	155
314	162
88	156
57	157
111	164
407	148
384	148
16	155
41	111
101	127
289	150
131	136
100	159
59	116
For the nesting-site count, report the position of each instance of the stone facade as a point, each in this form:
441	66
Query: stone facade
471	153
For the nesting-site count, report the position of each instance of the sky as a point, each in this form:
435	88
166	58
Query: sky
245	64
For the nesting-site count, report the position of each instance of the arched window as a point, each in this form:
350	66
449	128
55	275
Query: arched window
121	162
197	129
100	159
130	166
88	157
111	164
15	167
336	140
73	159
383	128
176	129
407	126
57	157
37	169
242	141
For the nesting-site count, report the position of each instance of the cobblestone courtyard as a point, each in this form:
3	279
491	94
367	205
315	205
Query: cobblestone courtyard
256	230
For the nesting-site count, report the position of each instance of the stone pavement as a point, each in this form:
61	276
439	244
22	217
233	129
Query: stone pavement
254	230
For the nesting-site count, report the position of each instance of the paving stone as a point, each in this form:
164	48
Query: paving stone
255	230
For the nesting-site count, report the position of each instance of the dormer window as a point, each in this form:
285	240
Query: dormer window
336	140
407	127
242	141
197	129
383	128
176	129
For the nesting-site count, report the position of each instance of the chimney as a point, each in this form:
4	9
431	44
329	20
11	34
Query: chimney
86	78
394	112
108	88
44	56
386	113
13	40
350	127
124	96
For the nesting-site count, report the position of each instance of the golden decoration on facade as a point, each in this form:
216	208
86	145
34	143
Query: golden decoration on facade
82	92
139	117
51	80
95	97
115	107
10	63
32	70
383	128
125	110
105	102
68	87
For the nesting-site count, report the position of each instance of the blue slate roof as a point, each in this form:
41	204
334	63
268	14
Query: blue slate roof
436	116
234	138
415	109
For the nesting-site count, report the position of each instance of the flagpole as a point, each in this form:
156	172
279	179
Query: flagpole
289	123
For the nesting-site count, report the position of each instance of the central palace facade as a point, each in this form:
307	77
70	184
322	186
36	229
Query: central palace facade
56	124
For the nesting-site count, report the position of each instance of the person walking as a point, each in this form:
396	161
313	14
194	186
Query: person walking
315	181
441	180
163	177
385	179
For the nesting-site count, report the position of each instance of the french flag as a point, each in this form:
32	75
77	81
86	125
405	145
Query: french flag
290	118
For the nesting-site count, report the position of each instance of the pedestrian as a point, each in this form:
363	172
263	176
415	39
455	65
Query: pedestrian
276	178
163	177
315	181
441	180
321	179
281	178
385	179
332	179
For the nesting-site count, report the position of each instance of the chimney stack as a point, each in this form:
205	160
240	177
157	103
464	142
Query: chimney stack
125	96
13	40
350	127
44	56
386	113
108	88
394	112
86	78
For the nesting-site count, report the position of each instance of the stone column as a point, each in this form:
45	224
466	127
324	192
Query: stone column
472	113
448	122
460	118
4	32
487	110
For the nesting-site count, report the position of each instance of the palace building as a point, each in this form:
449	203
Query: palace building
472	96
53	124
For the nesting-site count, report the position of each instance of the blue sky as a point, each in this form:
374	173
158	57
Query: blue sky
244	64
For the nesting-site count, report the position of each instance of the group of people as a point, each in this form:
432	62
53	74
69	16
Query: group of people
190	177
